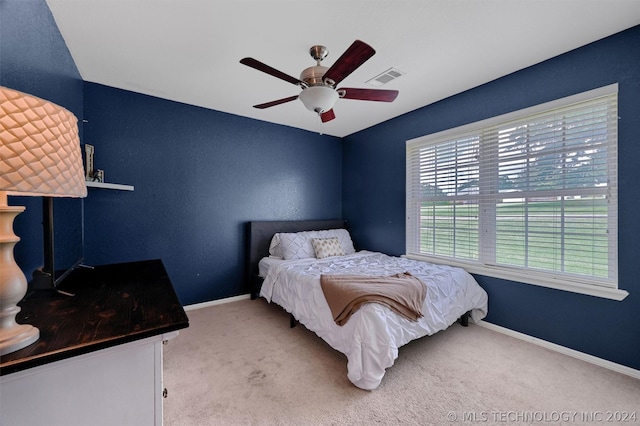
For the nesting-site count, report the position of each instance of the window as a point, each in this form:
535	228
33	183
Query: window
529	196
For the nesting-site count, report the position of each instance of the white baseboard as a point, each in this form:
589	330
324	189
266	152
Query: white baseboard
216	302
623	369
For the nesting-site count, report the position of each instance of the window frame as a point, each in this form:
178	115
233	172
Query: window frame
562	281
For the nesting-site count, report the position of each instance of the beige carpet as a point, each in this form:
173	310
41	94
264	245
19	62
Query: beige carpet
240	364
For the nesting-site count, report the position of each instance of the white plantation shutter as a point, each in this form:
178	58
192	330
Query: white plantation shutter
441	181
534	191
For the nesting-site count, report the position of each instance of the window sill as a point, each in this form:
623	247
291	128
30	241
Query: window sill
529	278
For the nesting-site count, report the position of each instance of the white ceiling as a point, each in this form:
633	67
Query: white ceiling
189	50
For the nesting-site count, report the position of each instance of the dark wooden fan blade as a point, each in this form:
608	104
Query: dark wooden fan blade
327	116
254	63
379	95
357	54
274	103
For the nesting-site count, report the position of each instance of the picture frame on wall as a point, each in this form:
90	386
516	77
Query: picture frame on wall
88	161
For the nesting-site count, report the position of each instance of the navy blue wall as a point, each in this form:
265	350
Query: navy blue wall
374	193
34	59
199	176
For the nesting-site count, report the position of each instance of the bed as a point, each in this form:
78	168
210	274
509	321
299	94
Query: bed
283	269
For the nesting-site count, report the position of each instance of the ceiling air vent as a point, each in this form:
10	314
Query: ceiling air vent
385	77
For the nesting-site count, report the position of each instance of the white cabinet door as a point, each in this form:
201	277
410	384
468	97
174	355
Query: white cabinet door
121	386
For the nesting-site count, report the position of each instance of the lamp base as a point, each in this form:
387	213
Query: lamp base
13	285
18	337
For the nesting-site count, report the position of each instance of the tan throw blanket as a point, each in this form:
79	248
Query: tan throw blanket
401	292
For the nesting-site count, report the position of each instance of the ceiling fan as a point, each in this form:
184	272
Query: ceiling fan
318	83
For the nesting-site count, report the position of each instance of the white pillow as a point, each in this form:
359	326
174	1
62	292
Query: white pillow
298	245
327	247
275	249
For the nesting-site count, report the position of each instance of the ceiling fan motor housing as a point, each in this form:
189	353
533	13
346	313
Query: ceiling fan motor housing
313	75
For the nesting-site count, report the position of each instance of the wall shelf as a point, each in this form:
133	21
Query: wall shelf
104	185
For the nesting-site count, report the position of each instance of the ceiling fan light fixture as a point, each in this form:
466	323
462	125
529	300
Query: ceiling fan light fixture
318	99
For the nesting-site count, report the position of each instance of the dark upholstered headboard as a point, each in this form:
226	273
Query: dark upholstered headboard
260	234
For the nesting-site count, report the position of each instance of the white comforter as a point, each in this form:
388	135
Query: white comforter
372	336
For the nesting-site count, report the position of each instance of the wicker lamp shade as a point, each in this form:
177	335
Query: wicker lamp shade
39	148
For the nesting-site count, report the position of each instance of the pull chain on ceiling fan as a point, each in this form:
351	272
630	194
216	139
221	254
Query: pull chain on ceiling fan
318	83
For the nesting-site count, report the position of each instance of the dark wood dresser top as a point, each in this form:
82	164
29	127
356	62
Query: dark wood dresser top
110	305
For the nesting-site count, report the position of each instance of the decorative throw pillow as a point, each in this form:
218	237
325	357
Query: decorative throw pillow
342	235
326	247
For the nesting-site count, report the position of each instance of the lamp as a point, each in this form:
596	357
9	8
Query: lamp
39	156
319	98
